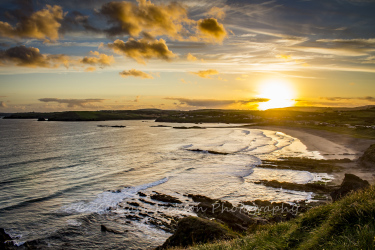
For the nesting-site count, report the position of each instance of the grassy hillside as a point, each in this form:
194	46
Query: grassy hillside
346	224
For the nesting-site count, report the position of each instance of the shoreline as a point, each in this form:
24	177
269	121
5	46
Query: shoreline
331	146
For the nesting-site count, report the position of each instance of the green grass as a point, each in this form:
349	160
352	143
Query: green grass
346	224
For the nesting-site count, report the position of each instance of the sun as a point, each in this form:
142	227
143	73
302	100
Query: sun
279	92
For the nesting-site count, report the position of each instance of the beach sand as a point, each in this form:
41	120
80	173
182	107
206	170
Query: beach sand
331	146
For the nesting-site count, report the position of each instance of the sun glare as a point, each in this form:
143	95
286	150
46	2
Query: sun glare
279	92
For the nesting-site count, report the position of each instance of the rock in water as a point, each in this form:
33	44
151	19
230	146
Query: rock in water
368	157
193	230
350	183
106	229
165	198
5	239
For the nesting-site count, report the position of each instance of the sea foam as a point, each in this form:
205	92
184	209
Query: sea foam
108	199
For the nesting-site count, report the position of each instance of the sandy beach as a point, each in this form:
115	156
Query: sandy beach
331	146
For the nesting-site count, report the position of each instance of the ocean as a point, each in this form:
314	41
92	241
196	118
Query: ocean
60	182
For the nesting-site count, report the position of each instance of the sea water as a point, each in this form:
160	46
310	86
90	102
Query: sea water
60	181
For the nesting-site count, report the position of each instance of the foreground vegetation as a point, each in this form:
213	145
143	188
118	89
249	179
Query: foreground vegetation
346	224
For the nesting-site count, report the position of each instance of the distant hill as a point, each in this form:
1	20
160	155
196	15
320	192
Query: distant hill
325	109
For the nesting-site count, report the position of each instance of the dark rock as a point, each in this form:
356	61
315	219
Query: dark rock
148	202
34	244
234	217
368	157
142	194
135	204
183	127
133	217
115	191
160	126
208	151
350	183
308	187
200	198
165	198
259	203
194	127
5	239
106	229
193	230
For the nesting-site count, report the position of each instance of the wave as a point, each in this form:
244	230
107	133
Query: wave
108	199
40	199
31	176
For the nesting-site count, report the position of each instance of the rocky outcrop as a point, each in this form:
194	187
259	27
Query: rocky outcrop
368	157
350	183
110	230
308	187
165	198
223	211
5	239
193	230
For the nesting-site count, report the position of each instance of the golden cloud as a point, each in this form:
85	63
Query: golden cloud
210	103
31	57
285	57
190	57
211	30
132	19
90	69
151	20
142	49
135	73
3	104
101	59
41	24
72	102
206	73
217	12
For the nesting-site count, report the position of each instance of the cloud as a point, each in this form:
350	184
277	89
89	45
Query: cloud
72	102
3	104
142	49
128	18
101	59
73	20
190	57
137	98
135	73
366	98
31	57
217	12
332	51
242	78
211	30
41	24
90	69
369	98
349	42
206	73
209	103
285	57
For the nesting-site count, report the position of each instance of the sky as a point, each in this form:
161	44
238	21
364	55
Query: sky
185	55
